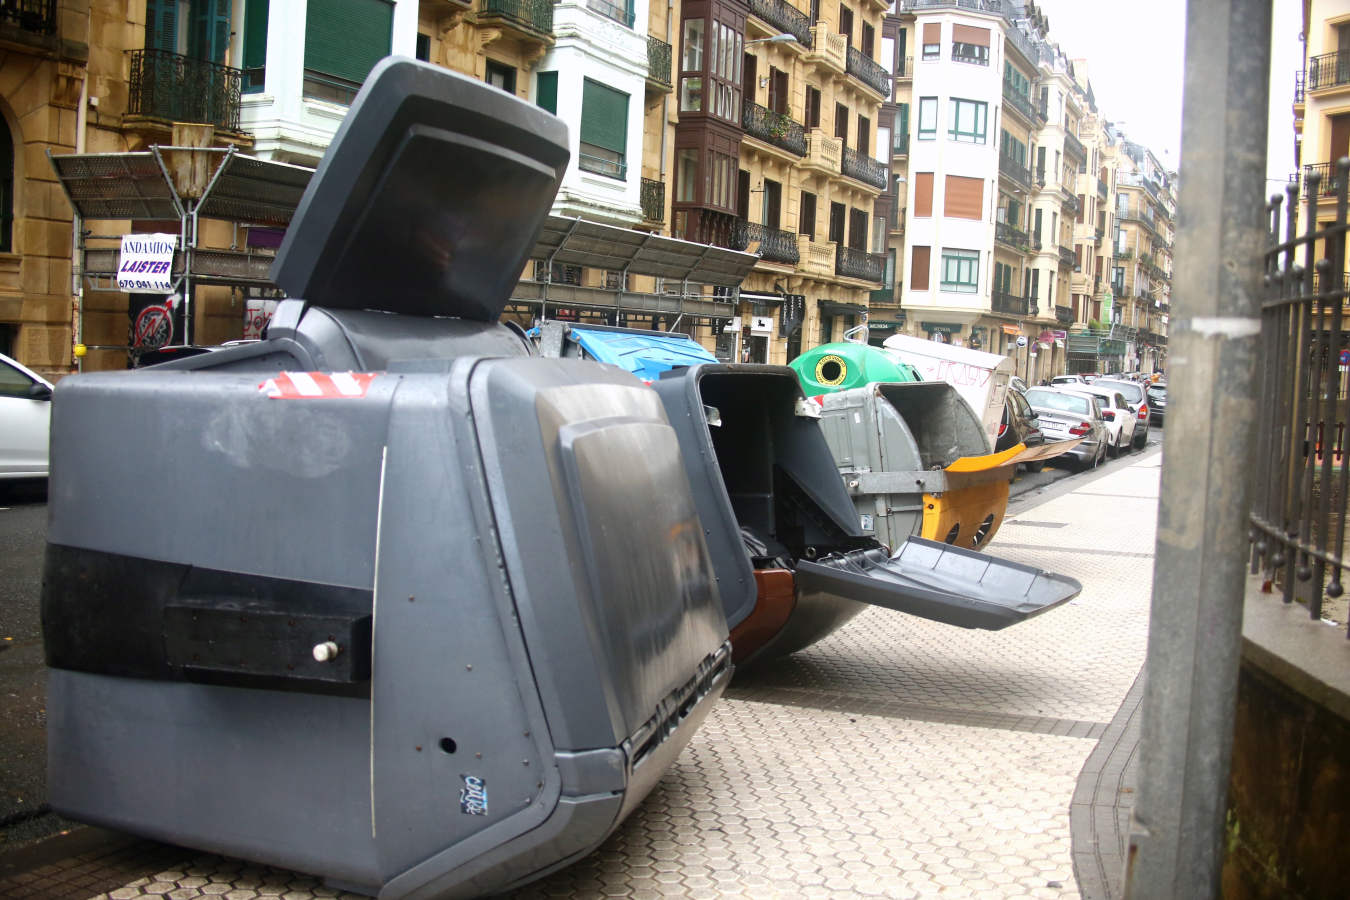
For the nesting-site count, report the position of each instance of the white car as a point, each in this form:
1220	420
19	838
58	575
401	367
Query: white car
1119	416
25	418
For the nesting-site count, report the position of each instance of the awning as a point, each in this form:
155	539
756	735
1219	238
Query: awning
834	308
577	242
1011	329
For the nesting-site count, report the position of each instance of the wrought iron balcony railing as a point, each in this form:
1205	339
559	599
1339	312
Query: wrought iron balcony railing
773	127
1322	178
775	245
905	68
178	88
1018	101
785	17
852	263
1069	201
868	71
1063	315
653	197
1298	86
1012	236
1073	146
900	144
1066	257
1041	112
1008	302
536	15
1327	70
1015	170
37	16
863	168
658	61
1101	189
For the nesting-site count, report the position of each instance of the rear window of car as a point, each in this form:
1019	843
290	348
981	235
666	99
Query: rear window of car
1056	400
1133	392
1155	390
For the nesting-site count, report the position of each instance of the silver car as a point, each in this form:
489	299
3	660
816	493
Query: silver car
25	416
1067	414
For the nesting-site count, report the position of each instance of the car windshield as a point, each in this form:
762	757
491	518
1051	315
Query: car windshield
1157	390
1056	400
1133	392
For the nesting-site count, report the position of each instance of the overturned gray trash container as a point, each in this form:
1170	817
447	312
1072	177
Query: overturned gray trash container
381	597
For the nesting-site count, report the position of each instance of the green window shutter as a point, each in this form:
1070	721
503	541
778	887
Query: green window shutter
345	38
904	118
161	25
604	116
547	94
255	33
209	36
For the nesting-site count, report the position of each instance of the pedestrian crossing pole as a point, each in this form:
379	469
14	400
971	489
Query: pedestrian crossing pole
1195	627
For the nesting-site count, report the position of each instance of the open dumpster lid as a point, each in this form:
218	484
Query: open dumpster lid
433	204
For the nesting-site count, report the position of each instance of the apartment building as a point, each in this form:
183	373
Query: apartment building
1141	276
1322	109
1095	224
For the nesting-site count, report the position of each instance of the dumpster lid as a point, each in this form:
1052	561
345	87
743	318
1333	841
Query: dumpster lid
937	581
429	199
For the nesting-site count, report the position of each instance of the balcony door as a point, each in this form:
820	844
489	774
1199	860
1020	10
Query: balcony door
749	73
837	223
857	229
773	203
208	31
1340	138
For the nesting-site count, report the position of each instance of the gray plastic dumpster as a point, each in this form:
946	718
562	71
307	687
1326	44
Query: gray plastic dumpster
381	597
793	562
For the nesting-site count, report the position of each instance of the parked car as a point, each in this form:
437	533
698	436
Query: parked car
1157	401
1065	415
1134	392
25	417
1020	425
1119	416
1067	380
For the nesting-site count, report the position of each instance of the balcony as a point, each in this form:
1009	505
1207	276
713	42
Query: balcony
1327	71
1041	114
868	71
1063	315
177	88
37	16
1069	201
827	48
534	16
1066	256
823	152
850	263
1102	189
1011	236
815	257
658	64
773	128
906	72
1073	146
864	168
1006	302
1298	87
785	17
900	144
1325	175
897	221
653	195
1019	103
1014	170
774	245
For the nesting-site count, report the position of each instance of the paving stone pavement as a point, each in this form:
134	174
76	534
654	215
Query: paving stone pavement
898	759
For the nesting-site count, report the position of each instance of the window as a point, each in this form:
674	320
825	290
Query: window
255	44
960	271
806	217
1013	149
867	40
967	120
207	30
841	123
546	94
501	76
864	135
970	44
778	90
1018	82
883	151
604	130
812	107
919	258
6	188
691	85
423	51
857	229
846	24
343	41
888	55
963	198
923	194
1035	284
927	118
1118	279
837	223
773	203
878	235
932	40
1081	206
620	11
686	175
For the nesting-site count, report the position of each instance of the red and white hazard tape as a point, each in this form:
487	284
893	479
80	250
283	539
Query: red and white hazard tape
317	385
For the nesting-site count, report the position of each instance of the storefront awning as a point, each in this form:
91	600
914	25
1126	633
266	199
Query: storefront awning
834	308
1011	329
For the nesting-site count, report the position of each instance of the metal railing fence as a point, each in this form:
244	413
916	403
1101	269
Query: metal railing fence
1301	481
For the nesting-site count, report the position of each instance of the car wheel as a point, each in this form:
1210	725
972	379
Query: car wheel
1141	440
1113	450
1036	466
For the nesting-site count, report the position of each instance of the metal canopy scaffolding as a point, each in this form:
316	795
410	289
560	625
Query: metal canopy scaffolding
689	266
139	186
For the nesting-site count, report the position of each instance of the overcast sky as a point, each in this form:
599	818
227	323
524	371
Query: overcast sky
1135	61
